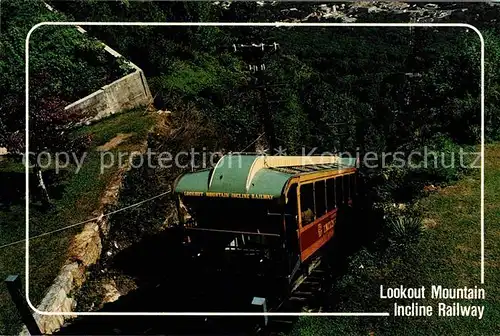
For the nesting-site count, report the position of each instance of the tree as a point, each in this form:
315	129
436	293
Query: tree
64	67
48	132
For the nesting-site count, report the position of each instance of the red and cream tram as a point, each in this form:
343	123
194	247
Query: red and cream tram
265	214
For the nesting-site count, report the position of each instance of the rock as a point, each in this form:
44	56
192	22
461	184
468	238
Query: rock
68	305
430	188
64	280
86	246
361	10
77	272
111	293
58	299
327	10
84	250
429	223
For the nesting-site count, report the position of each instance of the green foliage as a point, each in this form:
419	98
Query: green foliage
443	163
492	85
344	90
350	80
404	229
137	122
200	77
64	65
87	296
138	185
76	196
447	254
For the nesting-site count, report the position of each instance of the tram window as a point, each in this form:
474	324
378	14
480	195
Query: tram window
346	188
307	203
291	206
353	185
330	194
339	190
291	218
319	193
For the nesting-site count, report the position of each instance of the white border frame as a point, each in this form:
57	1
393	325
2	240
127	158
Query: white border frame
234	24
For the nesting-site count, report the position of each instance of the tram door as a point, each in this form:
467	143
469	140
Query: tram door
292	231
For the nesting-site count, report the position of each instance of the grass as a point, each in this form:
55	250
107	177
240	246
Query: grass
136	122
75	198
448	254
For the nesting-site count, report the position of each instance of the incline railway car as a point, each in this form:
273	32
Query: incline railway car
267	215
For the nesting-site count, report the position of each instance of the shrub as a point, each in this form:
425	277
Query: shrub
404	229
443	160
394	184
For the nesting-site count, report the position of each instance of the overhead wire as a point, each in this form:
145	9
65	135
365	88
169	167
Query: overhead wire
88	220
252	142
92	219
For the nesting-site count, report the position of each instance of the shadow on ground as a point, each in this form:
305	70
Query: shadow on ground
171	278
12	192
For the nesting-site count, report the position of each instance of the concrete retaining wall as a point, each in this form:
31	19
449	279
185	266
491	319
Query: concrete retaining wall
128	92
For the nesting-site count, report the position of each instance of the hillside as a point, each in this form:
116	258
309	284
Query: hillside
384	92
447	254
77	192
65	66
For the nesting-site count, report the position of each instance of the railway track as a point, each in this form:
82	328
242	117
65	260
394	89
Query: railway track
308	295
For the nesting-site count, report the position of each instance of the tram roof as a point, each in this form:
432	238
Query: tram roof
257	176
